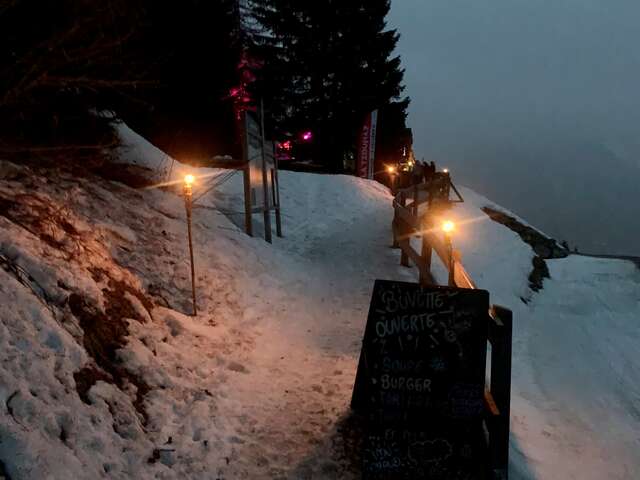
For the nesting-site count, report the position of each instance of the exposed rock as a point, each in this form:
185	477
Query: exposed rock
543	246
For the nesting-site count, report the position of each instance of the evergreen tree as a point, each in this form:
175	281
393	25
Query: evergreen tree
327	64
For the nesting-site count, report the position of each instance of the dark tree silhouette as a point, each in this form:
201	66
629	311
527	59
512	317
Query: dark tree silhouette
327	64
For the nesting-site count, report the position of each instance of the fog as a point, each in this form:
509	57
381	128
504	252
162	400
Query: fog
536	105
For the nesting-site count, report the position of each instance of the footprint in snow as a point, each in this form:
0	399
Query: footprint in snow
237	367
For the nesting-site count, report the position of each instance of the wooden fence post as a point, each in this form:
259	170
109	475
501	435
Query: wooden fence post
402	232
265	180
405	234
426	246
500	335
394	223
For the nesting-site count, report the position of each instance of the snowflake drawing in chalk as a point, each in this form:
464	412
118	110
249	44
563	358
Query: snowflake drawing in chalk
438	364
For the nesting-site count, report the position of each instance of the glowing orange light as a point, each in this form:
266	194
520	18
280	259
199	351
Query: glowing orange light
448	227
391	169
189	180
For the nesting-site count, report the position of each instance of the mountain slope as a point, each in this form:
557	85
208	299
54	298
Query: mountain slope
104	374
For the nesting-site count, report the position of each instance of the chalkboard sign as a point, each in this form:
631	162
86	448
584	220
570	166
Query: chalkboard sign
420	381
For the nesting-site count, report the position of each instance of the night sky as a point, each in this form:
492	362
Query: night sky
535	104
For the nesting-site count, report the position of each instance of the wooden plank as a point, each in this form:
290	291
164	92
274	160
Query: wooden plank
490	403
461	276
460	199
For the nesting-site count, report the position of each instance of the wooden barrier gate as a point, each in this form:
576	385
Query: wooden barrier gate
408	221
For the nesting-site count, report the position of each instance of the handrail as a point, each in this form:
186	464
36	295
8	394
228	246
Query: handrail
408	222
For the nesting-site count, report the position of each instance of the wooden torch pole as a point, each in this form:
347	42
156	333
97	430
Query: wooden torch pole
188	195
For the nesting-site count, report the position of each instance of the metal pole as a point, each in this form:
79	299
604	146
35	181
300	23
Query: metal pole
187	203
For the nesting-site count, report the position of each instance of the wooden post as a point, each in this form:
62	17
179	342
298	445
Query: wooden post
452	262
276	186
265	179
426	247
500	335
394	222
402	232
276	202
187	204
394	230
246	177
430	197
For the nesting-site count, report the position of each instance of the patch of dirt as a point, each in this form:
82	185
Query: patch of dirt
104	328
543	246
103	334
86	378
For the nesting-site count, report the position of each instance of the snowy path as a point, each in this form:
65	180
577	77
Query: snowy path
309	344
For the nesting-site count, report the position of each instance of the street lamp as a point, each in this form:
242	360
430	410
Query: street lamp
448	227
187	189
392	177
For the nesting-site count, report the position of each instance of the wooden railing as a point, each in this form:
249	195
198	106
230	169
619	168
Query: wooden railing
409	221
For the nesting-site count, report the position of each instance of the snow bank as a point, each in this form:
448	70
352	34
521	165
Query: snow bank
258	385
575	394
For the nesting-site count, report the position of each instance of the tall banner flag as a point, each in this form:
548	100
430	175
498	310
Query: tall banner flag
367	146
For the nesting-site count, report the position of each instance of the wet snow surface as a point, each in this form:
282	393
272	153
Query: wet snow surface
258	384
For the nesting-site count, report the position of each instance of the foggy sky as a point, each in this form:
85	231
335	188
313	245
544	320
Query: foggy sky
535	104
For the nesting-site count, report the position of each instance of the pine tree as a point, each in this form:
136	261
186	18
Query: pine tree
327	64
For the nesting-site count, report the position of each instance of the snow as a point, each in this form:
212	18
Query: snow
258	384
576	365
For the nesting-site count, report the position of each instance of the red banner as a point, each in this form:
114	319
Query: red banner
367	146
